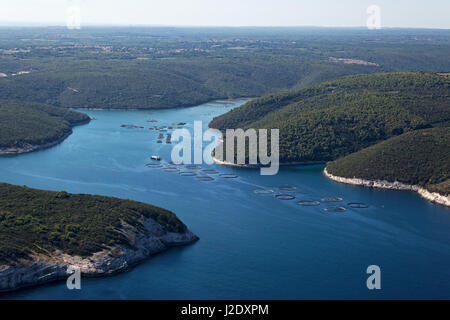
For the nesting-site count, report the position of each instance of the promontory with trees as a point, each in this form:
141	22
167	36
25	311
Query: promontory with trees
417	158
43	232
335	119
29	126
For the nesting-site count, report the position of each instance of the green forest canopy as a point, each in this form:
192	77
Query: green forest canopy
164	83
26	123
418	157
161	67
37	221
339	117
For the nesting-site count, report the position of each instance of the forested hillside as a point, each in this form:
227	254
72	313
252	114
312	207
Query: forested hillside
42	221
26	123
336	118
159	67
147	84
418	158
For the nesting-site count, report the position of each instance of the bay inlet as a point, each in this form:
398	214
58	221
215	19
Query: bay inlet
253	245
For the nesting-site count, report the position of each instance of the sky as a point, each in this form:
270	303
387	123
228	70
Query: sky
341	13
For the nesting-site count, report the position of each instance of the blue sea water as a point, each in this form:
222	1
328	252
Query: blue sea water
251	246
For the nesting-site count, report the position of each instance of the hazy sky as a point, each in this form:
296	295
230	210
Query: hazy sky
394	13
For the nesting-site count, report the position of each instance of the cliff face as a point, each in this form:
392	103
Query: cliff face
43	268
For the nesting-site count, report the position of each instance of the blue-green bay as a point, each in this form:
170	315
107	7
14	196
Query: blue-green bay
252	245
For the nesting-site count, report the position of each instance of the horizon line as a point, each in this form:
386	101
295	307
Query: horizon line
63	24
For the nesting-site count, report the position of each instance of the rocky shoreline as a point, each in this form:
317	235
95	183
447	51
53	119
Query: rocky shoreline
30	147
50	267
430	196
424	193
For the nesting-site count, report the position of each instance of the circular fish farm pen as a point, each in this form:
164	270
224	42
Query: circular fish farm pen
228	176
334	209
210	171
357	205
331	199
171	169
204	178
187	174
154	165
192	167
284	197
308	203
264	191
171	163
287	188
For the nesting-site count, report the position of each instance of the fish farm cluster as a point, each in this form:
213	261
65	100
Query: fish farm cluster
283	193
162	129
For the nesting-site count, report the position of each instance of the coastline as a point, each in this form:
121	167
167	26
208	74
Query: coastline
293	163
52	267
31	148
182	106
382	184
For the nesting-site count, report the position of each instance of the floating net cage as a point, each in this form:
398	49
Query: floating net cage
210	171
154	165
171	169
228	176
286	188
284	197
171	163
187	174
331	199
334	209
308	203
264	191
357	205
204	178
192	167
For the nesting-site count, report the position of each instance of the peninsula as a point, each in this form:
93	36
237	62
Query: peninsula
416	161
387	130
50	231
31	126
